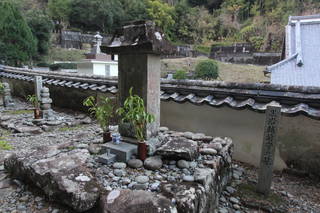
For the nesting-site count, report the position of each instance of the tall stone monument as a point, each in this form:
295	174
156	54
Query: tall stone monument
139	47
45	104
38	86
7	99
269	145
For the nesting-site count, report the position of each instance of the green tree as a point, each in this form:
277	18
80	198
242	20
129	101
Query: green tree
96	15
162	14
59	10
17	43
133	10
41	26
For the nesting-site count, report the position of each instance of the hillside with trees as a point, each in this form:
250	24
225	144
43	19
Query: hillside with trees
197	22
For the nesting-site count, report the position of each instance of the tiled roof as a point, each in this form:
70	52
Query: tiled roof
255	96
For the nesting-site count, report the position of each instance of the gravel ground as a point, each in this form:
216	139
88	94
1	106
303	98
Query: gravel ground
289	193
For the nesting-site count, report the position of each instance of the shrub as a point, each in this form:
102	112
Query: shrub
180	75
59	66
43	64
207	69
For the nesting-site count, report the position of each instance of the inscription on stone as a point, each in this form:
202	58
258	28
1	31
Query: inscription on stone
273	115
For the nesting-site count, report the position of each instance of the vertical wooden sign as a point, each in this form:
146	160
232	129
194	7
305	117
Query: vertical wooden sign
273	114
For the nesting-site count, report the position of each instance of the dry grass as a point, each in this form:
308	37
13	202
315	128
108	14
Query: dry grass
227	72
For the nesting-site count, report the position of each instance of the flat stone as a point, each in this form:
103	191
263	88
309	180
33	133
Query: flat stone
28	129
153	163
136	202
61	174
208	151
188	178
163	129
179	148
140	186
119	165
183	164
142	179
234	200
230	189
223	210
135	163
119	172
216	146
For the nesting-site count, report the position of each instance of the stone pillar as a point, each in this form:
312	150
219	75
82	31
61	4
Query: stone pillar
139	47
7	99
142	73
38	86
273	114
46	102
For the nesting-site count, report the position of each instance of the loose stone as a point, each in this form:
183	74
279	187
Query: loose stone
208	151
142	179
119	172
135	163
188	178
119	165
234	200
183	164
153	163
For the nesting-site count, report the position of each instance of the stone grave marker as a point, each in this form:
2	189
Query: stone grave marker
139	47
45	104
273	114
38	86
7	99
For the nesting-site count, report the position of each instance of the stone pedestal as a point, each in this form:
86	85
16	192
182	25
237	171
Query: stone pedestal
46	102
139	47
7	99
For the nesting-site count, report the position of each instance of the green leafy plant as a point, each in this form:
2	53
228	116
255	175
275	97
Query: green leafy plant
134	112
180	75
33	100
207	69
103	112
1	88
4	145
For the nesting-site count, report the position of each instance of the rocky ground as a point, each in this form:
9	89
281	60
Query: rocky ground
290	193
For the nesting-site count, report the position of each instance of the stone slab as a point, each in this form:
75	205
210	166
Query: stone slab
179	148
123	151
107	158
61	173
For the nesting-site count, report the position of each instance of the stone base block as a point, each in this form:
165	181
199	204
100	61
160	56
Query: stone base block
107	158
123	151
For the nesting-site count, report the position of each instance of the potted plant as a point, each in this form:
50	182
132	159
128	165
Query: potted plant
133	111
1	93
103	112
35	102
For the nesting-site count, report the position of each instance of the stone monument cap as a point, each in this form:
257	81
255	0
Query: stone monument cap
139	37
